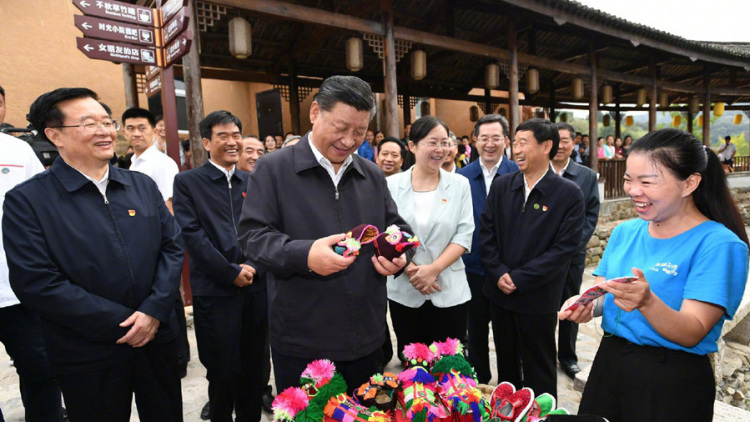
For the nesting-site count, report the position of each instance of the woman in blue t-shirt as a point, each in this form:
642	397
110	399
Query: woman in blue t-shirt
689	250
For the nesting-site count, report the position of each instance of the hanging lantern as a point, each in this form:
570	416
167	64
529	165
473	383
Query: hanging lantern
240	38
354	56
737	118
564	117
718	109
532	81
700	120
492	76
577	88
606	94
676	120
418	65
640	97
629	121
425	108
663	99
606	119
693	104
473	113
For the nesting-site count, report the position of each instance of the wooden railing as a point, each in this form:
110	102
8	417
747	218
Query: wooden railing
741	163
612	172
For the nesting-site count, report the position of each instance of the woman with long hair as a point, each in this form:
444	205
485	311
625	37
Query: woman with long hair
689	254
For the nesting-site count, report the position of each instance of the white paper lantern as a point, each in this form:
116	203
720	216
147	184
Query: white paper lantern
492	76
418	65
532	81
240	38
354	55
577	88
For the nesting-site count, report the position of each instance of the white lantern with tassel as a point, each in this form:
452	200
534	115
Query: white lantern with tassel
240	38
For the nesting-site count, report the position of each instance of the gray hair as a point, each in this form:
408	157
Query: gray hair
349	90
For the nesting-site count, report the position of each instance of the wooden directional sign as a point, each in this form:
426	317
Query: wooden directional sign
115	31
152	71
119	52
153	86
174	27
117	10
171	8
177	48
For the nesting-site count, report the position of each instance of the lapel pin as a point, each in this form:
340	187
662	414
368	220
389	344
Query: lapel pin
131	213
536	206
445	200
544	208
243	194
6	170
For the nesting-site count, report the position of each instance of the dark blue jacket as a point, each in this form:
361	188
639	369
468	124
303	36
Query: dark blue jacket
208	209
293	203
473	172
533	241
85	263
587	180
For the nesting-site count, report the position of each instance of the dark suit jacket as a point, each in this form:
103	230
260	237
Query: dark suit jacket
586	179
473	172
208	210
532	241
294	202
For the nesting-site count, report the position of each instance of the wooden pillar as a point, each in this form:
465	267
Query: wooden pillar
652	102
707	109
593	111
618	122
131	85
407	110
513	91
552	110
488	101
293	96
690	121
169	106
389	56
191	70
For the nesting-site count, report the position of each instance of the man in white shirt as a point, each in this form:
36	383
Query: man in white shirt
20	328
726	154
138	127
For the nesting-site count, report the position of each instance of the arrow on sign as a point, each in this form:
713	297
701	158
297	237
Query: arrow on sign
86	25
84	4
88	47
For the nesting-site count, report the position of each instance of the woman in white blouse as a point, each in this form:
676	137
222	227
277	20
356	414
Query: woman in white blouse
428	300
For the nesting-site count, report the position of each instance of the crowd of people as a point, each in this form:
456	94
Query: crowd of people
90	302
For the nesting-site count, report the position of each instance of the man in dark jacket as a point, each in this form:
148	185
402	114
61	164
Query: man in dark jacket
98	260
531	227
564	165
491	131
304	198
229	296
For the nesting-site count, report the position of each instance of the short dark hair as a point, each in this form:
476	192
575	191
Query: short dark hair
727	138
543	130
396	141
568	127
491	118
349	90
158	119
185	145
219	117
422	127
44	112
2	92
138	113
106	108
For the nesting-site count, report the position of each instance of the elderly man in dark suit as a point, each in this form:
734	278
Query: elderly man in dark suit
531	228
586	179
491	131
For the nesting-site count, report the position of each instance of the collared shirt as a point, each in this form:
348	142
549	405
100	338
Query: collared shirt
489	174
453	169
227	173
326	163
562	170
17	164
159	167
527	189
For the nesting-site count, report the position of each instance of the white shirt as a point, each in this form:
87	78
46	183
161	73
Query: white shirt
489	174
158	166
726	151
562	170
423	201
100	184
527	189
227	173
17	164
326	163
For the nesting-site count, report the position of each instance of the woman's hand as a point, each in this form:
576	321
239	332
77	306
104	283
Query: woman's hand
579	315
423	278
633	295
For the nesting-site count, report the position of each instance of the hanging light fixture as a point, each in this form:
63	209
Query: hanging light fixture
663	99
473	113
676	120
354	55
606	94
629	121
606	119
425	108
577	88
693	104
700	120
240	38
492	76
737	118
532	81
418	65
640	97
718	109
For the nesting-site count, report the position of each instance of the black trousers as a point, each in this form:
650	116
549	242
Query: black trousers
106	394
427	324
525	345
479	329
21	333
287	369
232	337
567	330
629	382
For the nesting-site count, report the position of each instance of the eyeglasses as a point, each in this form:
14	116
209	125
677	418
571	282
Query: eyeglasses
494	139
90	126
140	128
433	144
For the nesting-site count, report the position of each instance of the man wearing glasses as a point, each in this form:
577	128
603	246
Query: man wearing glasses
93	250
138	127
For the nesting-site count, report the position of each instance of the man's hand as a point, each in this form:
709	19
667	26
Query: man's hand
142	329
245	277
386	267
323	260
505	284
423	278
